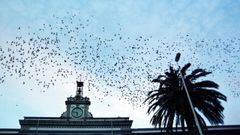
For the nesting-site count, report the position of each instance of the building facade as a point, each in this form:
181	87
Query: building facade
76	119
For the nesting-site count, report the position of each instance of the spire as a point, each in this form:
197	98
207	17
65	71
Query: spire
79	92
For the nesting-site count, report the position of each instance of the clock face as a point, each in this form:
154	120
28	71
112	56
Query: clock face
77	112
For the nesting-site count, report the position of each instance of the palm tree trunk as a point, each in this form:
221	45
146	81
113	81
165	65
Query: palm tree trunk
183	125
190	126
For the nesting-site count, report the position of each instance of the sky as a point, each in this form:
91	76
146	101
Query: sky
134	40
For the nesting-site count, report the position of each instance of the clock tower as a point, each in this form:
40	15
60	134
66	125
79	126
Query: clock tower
76	120
78	106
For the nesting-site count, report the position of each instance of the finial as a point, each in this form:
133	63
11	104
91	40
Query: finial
79	89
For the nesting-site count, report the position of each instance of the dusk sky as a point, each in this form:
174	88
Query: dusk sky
101	42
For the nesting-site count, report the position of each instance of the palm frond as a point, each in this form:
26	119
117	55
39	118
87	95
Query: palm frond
184	69
197	73
206	83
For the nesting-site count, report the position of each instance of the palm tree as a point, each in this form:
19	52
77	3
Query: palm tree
170	105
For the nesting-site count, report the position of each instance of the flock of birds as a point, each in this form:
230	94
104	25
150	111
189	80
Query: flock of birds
111	62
